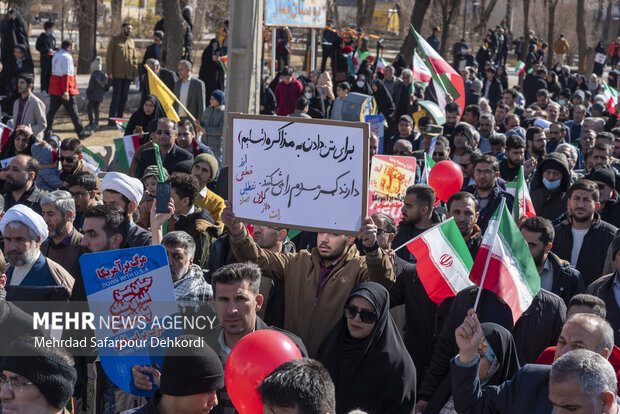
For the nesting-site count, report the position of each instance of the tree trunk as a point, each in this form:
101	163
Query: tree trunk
417	18
175	30
553	4
449	8
607	25
85	17
365	14
116	7
507	23
200	19
581	35
526	35
485	15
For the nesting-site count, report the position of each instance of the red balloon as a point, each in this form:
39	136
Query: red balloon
446	178
254	357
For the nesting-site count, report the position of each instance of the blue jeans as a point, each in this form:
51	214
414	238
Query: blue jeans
120	90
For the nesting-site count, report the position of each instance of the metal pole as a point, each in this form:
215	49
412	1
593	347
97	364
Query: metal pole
95	29
273	52
464	18
312	50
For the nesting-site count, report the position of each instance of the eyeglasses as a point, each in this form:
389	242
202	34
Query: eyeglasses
66	159
164	131
382	231
484	172
366	316
15	384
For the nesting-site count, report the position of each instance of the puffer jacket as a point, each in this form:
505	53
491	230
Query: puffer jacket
121	58
310	315
551	204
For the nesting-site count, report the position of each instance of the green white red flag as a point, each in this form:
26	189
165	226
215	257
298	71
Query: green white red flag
520	67
446	79
611	98
523	202
420	71
382	64
125	149
443	260
504	264
358	58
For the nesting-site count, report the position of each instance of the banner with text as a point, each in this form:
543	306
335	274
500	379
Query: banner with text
298	173
301	13
376	127
132	290
389	178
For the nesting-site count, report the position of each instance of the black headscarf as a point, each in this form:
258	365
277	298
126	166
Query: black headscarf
375	374
503	345
8	150
139	118
211	72
399	64
385	103
365	88
317	107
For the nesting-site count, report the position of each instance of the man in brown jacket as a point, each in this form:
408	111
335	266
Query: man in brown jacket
71	160
316	283
122	68
28	109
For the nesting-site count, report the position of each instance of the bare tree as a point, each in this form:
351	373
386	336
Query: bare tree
200	14
449	11
507	22
551	8
581	35
84	13
175	30
417	18
527	35
365	11
485	11
116	7
607	24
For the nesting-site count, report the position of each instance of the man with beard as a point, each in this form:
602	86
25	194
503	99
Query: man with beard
23	230
122	66
205	171
575	125
71	160
453	113
186	139
83	188
64	242
556	275
536	142
486	189
418	216
467	166
126	192
557	135
583	238
317	283
19	185
605	179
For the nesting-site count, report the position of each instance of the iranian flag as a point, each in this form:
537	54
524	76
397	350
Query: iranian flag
428	165
520	67
523	202
447	80
443	260
611	98
358	58
504	264
125	149
121	123
382	64
420	71
5	133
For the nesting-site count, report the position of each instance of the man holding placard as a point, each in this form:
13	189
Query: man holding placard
316	283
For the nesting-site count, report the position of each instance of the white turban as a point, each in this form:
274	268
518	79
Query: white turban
122	183
26	216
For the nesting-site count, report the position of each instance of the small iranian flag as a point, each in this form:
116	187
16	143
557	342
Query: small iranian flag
428	165
125	149
504	264
523	202
382	64
358	58
443	260
520	68
121	123
611	98
5	133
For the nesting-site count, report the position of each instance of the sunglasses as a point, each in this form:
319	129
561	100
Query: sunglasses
66	159
367	316
382	231
162	131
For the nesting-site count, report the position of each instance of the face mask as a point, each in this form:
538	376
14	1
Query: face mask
552	185
308	95
562	102
360	84
463	51
52	32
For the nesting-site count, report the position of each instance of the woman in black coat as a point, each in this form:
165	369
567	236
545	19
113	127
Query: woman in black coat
366	357
317	106
150	110
211	69
385	103
361	85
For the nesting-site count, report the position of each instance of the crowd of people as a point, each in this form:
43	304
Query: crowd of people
330	294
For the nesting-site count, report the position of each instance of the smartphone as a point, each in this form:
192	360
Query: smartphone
163	198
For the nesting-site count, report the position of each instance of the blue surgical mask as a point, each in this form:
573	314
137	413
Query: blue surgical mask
552	185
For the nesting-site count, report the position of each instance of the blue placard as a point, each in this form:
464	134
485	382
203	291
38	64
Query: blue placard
131	296
304	13
376	127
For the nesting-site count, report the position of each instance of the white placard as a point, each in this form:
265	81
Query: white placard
296	13
299	173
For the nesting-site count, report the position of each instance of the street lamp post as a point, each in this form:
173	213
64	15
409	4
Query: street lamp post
464	18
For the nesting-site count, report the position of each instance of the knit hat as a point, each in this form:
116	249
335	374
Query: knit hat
598	107
209	159
52	375
579	94
615	245
565	93
96	64
153	171
219	96
190	370
551	164
518	131
604	174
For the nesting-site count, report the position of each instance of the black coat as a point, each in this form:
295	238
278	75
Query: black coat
567	281
14	322
604	288
593	250
537	329
138	237
527	392
495	198
211	72
170	161
406	232
495	92
531	84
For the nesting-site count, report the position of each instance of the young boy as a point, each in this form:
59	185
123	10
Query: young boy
405	131
151	178
342	90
